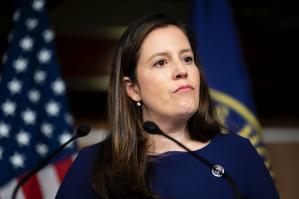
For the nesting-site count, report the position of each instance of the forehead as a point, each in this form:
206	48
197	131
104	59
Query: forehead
165	38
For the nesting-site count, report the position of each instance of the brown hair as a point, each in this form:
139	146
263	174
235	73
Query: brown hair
122	168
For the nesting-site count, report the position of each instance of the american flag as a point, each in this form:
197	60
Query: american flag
34	117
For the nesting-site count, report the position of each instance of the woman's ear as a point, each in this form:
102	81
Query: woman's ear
132	89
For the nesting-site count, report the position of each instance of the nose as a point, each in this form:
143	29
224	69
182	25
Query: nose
180	71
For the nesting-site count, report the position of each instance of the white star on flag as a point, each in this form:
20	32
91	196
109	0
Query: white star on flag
17	160
31	23
4	58
26	43
16	15
20	64
28	116
42	149
34	95
44	56
52	108
38	5
33	102
4	130
47	129
1	152
23	138
48	35
14	86
8	108
64	137
68	118
40	76
58	87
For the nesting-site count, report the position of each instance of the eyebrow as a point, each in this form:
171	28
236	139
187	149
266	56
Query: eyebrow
164	53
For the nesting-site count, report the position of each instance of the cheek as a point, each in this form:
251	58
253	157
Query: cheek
153	88
196	76
150	86
197	83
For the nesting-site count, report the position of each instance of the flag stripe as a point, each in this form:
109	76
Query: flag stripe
44	184
34	115
7	190
31	188
49	182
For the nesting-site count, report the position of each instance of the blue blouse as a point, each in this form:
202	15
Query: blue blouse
184	177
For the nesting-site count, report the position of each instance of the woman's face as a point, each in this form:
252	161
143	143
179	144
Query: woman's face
168	79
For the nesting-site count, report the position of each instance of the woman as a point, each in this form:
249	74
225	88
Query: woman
156	76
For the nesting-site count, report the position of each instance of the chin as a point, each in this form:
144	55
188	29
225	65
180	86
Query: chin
186	111
188	106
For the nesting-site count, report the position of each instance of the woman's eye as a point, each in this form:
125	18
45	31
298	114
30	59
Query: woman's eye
187	59
160	63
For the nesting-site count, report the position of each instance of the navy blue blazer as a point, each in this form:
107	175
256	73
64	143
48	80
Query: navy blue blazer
182	176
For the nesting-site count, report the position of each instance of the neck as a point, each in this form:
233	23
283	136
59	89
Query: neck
161	144
176	128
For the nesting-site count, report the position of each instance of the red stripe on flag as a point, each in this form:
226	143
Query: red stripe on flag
31	188
62	167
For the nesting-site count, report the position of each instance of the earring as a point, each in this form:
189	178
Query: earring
138	104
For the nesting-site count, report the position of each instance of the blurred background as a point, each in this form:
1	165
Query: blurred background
86	33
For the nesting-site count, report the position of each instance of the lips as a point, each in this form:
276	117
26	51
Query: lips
184	88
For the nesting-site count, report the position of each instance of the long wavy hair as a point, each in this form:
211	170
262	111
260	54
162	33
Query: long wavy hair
122	168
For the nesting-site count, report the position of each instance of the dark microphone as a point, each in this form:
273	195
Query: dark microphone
152	128
82	131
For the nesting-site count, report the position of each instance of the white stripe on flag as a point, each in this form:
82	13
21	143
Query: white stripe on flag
48	182
6	190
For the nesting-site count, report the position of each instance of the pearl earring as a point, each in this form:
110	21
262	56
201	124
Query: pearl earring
138	104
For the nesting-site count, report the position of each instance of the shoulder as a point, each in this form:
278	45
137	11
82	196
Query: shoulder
230	141
76	183
89	152
86	156
242	161
230	137
235	148
237	145
230	148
